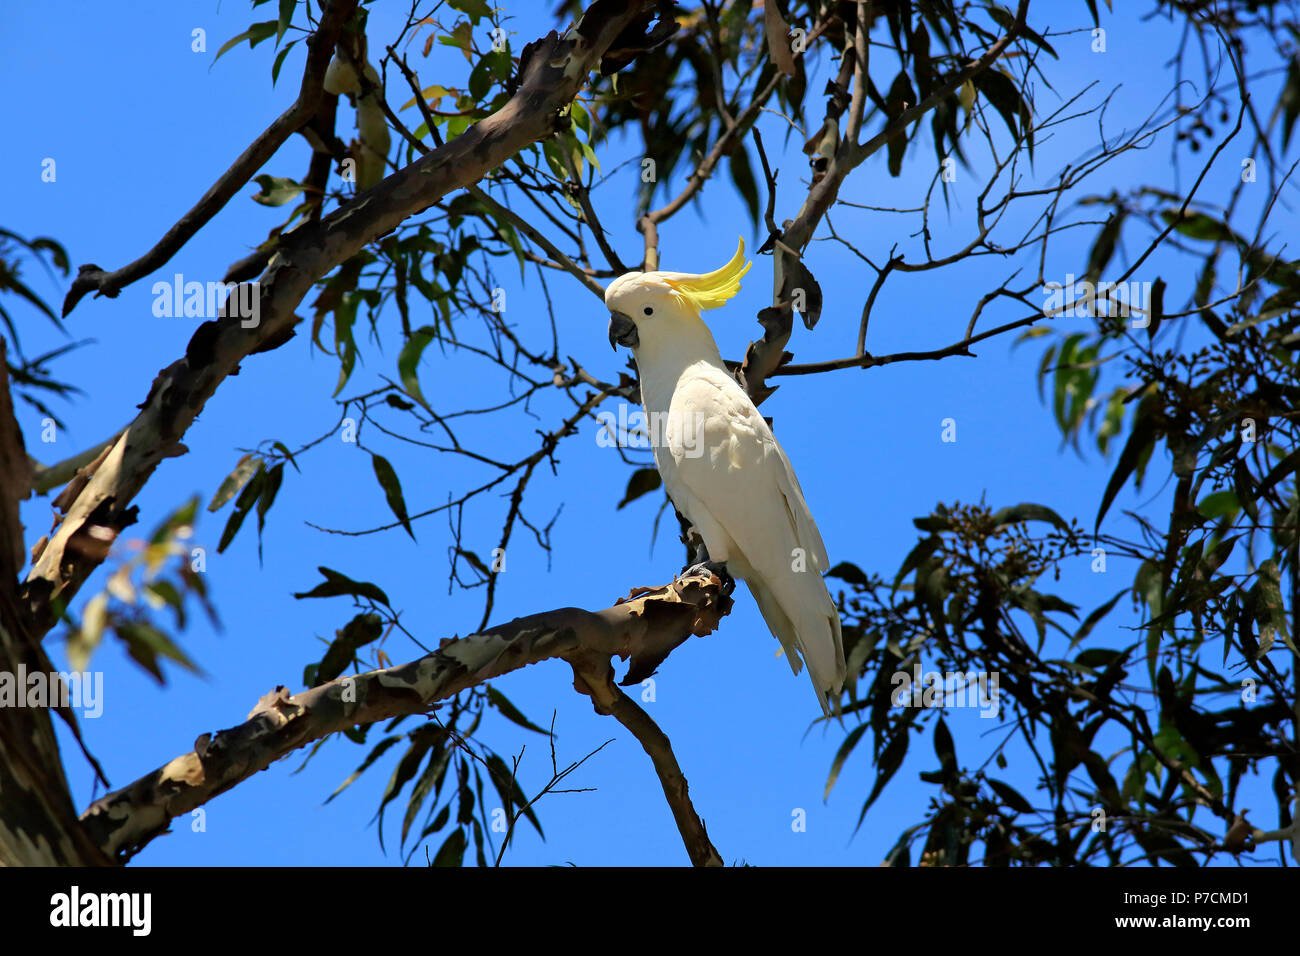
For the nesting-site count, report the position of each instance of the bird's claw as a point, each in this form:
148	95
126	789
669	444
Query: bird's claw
718	568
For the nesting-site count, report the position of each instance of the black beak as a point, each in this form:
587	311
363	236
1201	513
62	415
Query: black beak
622	331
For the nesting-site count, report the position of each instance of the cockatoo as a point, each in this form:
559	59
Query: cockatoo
721	465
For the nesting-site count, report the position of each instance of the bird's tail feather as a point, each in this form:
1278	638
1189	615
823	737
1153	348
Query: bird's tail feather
816	641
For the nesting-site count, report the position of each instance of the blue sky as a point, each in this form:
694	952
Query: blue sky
140	126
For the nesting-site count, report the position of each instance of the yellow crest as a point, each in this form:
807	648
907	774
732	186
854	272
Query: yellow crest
713	289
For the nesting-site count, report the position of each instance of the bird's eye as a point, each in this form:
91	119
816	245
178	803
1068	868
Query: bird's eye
649	311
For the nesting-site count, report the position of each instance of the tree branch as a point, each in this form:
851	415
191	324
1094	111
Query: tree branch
643	629
766	355
320	47
583	195
595	677
38	822
497	209
45	478
649	223
552	72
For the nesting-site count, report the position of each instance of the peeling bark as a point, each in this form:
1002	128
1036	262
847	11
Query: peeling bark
641	628
38	823
551	76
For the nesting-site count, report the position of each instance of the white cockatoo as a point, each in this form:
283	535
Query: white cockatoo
721	465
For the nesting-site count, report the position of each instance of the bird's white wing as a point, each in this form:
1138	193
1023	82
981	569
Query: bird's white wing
726	471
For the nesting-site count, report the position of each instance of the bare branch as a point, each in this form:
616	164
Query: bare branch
596	678
550	78
500	211
644	629
320	47
45	478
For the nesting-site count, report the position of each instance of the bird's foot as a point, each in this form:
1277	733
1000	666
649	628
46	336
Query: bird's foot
718	568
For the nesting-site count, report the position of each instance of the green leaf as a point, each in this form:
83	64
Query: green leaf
235	480
145	643
255	34
1029	512
507	787
509	711
279	61
642	482
166	592
409	359
742	177
421	741
1065	380
283	449
475	562
944	748
457	125
1254	320
900	92
267	498
480	80
1010	796
581	118
1104	247
1000	90
243	504
9	283
890	760
1270	611
1006	20
439	821
452	851
933	522
1139	444
286	17
1289	101
462	38
842	755
848	572
181	517
392	490
474	9
344	345
363	629
1113	420
374	755
336	584
921	552
275	190
1197	225
431	777
1149	585
1156	308
1216	557
1099	658
1091	620
1220	504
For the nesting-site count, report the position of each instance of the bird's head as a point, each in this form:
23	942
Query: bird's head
649	307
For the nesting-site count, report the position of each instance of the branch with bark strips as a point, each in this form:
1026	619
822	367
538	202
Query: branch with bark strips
642	629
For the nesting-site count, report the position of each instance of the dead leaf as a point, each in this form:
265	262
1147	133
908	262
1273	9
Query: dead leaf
778	38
